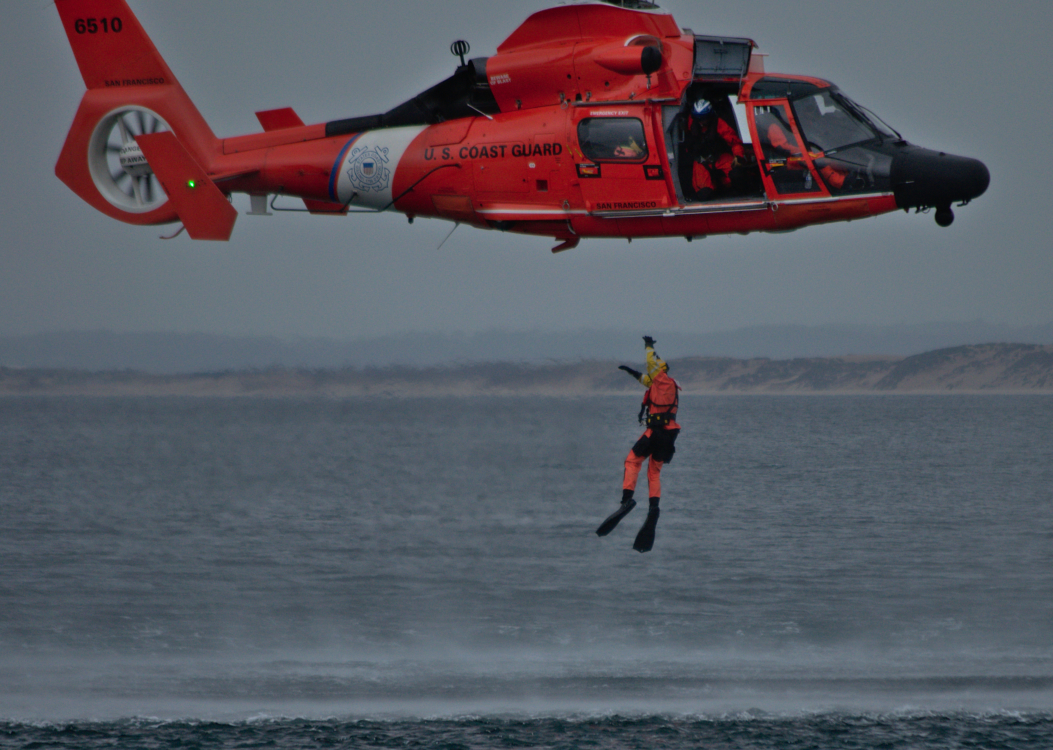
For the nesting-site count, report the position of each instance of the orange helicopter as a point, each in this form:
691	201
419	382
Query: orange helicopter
600	118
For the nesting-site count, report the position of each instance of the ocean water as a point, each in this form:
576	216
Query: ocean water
829	572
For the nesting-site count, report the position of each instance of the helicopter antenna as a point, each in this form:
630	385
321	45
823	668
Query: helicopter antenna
457	224
460	48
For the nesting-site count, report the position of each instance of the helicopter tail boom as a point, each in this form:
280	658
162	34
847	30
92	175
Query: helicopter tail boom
131	93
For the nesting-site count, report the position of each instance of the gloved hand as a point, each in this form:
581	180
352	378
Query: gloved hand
642	415
631	371
648	341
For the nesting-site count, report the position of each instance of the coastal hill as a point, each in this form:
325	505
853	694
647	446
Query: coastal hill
986	368
175	353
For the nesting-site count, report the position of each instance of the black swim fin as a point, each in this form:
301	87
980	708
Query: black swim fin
645	537
612	520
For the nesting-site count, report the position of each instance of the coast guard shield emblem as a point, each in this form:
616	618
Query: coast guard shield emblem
366	169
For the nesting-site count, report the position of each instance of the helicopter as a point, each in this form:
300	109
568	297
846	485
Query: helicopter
583	124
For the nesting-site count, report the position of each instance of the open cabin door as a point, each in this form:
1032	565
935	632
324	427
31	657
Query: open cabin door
728	157
713	165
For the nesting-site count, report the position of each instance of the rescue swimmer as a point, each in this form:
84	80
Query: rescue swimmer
657	443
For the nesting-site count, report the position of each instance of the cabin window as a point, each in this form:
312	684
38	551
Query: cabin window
613	139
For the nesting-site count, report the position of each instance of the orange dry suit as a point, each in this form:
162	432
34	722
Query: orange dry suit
715	145
657	443
834	177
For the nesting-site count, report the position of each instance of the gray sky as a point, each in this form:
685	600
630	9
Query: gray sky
971	78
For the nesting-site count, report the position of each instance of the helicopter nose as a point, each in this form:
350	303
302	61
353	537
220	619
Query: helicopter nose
922	178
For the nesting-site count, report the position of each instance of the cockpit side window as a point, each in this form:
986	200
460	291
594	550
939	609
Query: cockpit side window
613	139
785	160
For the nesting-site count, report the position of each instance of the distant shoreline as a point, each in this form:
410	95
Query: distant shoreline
1003	369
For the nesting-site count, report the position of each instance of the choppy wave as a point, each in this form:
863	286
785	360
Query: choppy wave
745	730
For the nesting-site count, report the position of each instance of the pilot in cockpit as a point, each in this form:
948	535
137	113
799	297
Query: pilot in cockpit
777	136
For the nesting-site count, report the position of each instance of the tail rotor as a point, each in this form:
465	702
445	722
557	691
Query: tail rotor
117	165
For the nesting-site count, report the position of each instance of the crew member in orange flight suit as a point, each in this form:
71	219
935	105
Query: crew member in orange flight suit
778	138
717	150
660	404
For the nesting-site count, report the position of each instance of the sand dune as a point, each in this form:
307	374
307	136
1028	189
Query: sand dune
987	368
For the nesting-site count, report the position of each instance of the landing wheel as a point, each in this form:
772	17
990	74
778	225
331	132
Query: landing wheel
117	164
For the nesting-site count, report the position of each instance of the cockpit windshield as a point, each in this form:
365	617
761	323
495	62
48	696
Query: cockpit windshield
830	121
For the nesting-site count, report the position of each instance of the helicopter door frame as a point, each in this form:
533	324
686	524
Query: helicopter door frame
673	137
735	112
787	171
